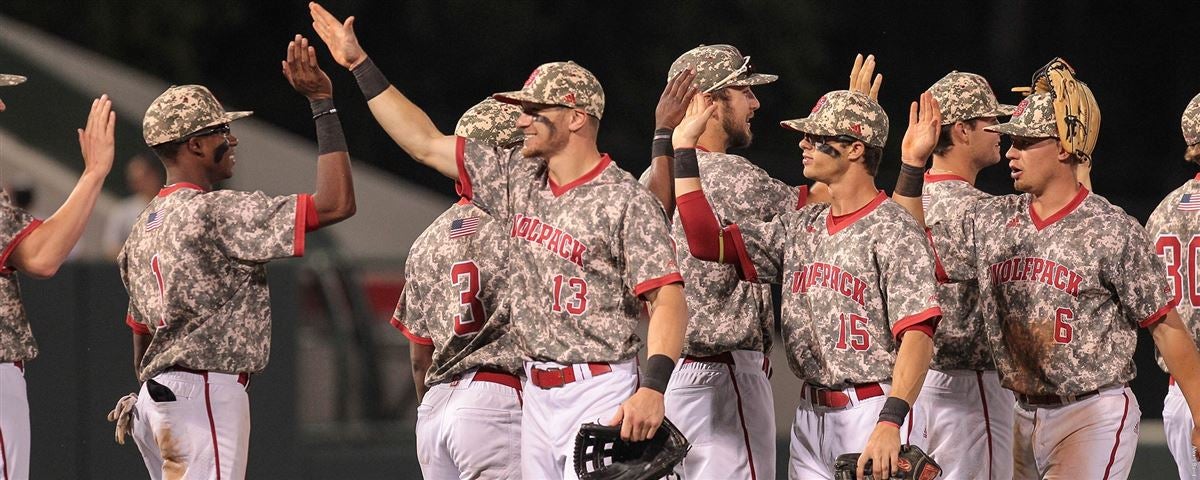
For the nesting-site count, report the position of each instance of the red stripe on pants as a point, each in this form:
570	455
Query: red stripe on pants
742	419
212	427
987	421
1112	457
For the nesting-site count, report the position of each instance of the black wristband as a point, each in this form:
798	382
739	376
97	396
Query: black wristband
894	410
662	144
329	128
370	80
686	165
657	372
911	181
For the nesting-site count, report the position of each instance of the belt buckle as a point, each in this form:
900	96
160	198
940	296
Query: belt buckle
1066	399
557	374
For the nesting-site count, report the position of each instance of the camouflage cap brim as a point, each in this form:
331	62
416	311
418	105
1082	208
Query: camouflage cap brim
1003	110
806	125
754	79
1022	130
8	80
518	96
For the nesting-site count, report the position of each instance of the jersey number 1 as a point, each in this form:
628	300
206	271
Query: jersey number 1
162	291
465	276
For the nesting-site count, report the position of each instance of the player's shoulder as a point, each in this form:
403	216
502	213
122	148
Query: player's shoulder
1184	198
1101	209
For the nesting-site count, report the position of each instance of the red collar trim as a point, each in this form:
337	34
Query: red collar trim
702	149
169	189
463	201
942	177
1040	224
846	220
1197	177
587	177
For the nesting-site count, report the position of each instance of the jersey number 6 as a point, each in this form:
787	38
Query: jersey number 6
465	276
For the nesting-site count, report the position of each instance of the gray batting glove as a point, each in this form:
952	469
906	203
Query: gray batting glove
121	414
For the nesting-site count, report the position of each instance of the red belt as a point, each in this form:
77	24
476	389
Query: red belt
547	378
492	375
831	398
1054	400
21	365
243	377
1171	380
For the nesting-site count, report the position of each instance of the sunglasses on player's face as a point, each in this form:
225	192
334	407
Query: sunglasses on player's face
222	129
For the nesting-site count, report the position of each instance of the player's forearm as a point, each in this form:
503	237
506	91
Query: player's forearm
421	357
908	191
47	246
405	122
661	181
1178	350
668	322
334	197
912	363
140	344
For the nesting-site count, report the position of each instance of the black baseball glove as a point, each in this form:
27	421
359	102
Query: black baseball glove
600	454
914	464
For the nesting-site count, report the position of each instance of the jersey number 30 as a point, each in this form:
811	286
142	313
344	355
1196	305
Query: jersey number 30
465	276
1170	248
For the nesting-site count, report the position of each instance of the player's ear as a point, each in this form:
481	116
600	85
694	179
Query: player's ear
855	151
959	133
1064	155
194	147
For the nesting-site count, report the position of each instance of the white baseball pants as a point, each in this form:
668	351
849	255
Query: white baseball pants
970	423
1177	421
1091	438
470	429
203	434
14	423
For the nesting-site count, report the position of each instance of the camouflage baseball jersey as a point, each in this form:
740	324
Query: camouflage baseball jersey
1062	297
16	339
1175	229
725	313
960	343
850	286
454	282
194	269
585	252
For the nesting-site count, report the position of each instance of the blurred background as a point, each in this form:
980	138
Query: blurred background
337	400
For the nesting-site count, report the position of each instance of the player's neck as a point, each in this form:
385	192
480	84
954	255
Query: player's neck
572	162
1055	196
951	164
180	174
713	139
850	194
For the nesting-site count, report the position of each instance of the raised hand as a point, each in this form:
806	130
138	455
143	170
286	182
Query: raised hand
96	138
673	102
338	36
860	77
699	110
924	127
302	71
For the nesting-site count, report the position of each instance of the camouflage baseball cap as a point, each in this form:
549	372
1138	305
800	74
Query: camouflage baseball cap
1191	122
717	67
560	83
491	122
965	96
1034	118
843	112
181	111
7	80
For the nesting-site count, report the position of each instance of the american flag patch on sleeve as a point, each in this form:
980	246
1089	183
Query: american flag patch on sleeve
155	220
1189	202
464	227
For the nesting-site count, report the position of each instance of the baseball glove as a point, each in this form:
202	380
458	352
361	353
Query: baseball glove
121	414
600	454
1075	108
914	464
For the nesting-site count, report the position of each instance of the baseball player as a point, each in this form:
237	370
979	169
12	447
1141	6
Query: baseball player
859	302
1175	228
194	266
1065	279
719	394
970	415
591	245
457	323
37	249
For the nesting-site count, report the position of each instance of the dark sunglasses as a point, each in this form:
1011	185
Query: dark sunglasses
222	129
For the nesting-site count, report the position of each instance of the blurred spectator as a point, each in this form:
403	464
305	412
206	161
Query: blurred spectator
144	178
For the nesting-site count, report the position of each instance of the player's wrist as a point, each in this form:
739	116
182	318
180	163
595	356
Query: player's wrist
370	79
893	412
662	143
911	180
685	164
657	373
330	137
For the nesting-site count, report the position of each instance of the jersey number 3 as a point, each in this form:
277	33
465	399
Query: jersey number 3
1170	248
465	276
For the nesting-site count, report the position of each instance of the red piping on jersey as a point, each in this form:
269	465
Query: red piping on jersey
3	456
904	323
927	327
311	222
136	326
654	283
212	427
1112	457
462	185
303	204
1197	177
12	246
745	265
939	270
587	177
169	189
987	421
702	149
943	177
1159	315
742	420
412	337
836	225
463	201
801	196
1040	224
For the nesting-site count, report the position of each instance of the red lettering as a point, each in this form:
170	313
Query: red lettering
577	254
797	280
547	231
860	287
1038	266
555	241
1073	284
